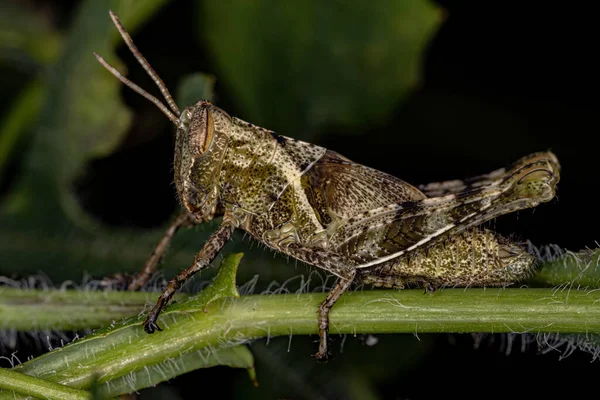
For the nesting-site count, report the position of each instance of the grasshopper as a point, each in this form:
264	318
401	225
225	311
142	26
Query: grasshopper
321	208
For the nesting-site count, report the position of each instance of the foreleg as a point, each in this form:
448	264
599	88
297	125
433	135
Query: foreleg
203	259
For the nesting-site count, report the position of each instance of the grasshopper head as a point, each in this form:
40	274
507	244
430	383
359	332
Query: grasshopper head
200	141
200	144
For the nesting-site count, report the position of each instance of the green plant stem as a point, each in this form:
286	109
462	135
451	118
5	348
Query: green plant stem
192	326
68	309
84	309
448	310
29	385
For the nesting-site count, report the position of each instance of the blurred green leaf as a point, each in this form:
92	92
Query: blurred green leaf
21	116
20	31
333	62
195	87
29	43
75	114
82	118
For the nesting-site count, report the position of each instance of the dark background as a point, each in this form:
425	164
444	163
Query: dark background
499	80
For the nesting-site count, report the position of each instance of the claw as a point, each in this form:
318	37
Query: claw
323	354
322	357
116	282
150	326
429	288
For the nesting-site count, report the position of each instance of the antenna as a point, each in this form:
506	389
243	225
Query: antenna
173	116
145	64
138	89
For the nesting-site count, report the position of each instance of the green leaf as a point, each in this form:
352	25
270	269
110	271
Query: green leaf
21	116
193	88
63	251
25	34
83	116
222	287
234	357
279	68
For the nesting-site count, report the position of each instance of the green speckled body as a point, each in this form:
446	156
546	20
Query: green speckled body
319	207
472	258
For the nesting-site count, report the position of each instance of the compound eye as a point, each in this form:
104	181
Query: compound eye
202	130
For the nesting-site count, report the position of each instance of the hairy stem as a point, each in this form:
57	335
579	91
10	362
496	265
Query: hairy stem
29	385
581	269
198	328
67	309
85	309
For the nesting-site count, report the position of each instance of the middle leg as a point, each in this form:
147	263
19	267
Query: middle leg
341	285
334	263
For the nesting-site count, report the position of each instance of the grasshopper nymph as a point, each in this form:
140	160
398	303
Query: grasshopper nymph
319	207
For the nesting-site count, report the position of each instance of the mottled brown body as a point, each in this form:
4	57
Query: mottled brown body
328	211
472	258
